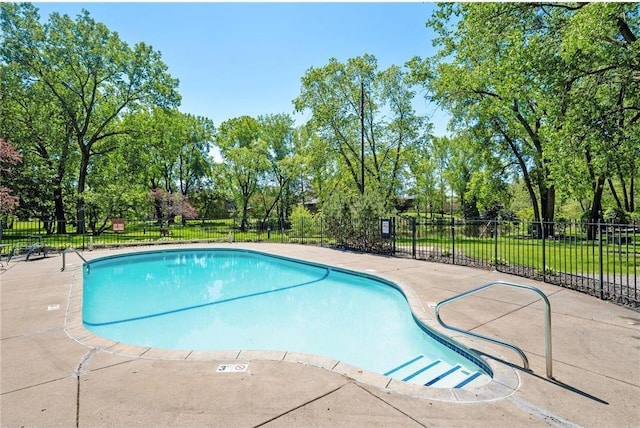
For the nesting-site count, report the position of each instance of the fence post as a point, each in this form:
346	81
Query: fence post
393	235
453	241
413	237
495	243
544	251
601	258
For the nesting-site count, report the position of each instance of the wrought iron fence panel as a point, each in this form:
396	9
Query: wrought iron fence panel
600	259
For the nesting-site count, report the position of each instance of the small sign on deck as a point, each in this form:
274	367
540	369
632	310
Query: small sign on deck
232	368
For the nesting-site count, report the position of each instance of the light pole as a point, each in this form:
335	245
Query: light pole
362	136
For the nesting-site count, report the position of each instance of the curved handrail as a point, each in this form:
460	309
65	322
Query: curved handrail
70	249
547	315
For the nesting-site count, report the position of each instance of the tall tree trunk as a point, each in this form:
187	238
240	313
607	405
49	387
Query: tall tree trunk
245	209
596	209
632	193
615	194
61	224
82	179
548	206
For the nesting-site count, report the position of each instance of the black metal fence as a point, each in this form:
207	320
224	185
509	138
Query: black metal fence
600	259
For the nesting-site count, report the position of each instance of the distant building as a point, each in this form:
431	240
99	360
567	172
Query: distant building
406	203
311	205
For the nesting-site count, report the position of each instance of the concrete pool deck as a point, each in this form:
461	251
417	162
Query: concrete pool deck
56	373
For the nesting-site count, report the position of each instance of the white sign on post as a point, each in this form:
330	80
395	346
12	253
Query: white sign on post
385	228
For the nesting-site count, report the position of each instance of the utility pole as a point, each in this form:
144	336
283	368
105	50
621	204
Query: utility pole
362	136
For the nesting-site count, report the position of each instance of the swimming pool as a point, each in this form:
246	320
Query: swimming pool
215	299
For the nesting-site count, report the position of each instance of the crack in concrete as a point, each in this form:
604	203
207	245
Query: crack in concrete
548	417
79	372
391	405
302	405
33	333
34	385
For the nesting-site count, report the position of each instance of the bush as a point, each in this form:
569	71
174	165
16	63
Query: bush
354	221
616	215
302	222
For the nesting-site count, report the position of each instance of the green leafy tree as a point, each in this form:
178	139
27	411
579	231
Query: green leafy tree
487	76
168	149
32	119
600	121
108	196
284	165
246	160
550	87
341	110
319	172
93	76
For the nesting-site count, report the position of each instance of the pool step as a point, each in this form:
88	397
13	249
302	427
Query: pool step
436	373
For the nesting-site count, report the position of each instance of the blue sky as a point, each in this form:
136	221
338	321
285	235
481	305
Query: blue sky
234	59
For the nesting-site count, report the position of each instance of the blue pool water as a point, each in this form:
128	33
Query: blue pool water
218	299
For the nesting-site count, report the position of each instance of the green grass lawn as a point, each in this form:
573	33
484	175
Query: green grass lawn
559	256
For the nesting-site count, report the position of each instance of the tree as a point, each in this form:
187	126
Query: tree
601	122
109	196
333	95
552	88
93	76
8	156
32	119
488	77
319	172
284	163
168	149
425	180
246	159
194	164
171	205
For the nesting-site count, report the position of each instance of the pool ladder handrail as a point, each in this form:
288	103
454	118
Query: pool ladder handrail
547	318
68	250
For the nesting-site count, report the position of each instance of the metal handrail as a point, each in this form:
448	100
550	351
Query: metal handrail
547	323
67	250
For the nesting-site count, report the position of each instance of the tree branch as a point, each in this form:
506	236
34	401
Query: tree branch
625	30
565	6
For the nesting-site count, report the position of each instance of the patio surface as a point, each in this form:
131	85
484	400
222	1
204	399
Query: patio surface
56	373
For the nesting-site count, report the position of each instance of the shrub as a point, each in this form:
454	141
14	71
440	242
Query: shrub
302	222
616	215
354	221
